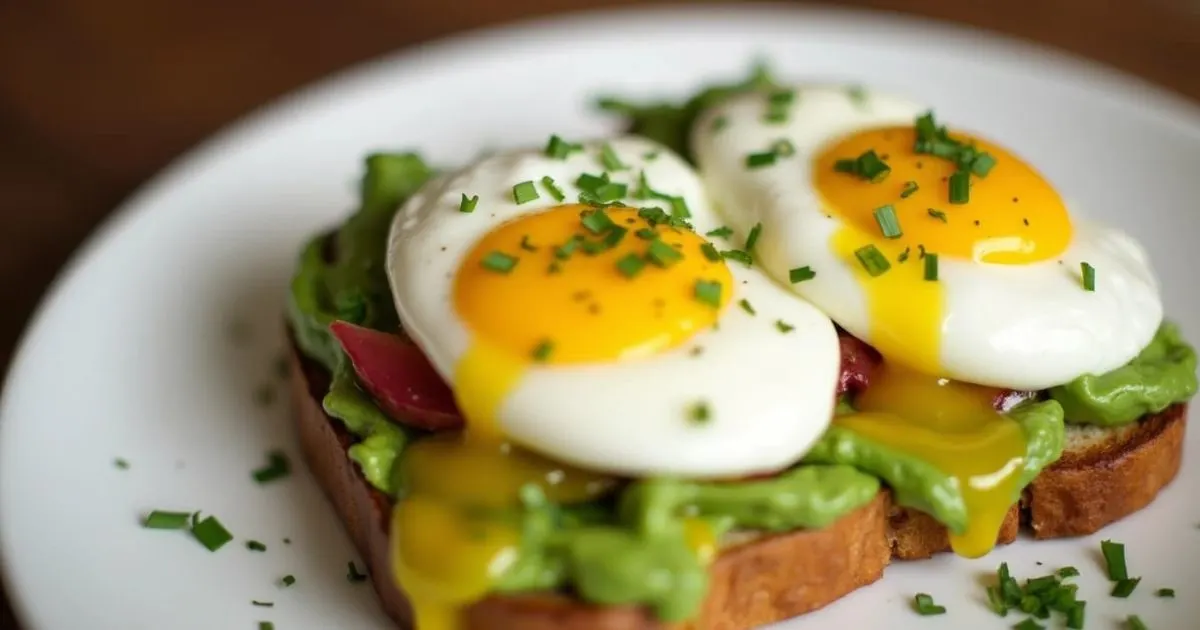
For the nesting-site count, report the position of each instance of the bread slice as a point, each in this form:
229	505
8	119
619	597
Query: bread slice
760	579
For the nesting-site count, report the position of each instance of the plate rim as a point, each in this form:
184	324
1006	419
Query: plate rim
1153	101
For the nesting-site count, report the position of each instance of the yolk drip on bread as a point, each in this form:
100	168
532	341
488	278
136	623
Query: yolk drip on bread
566	300
1011	216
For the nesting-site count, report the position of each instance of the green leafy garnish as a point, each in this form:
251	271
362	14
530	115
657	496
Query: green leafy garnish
1133	622
923	604
559	149
931	267
609	158
752	237
468	203
872	260
739	256
542	351
498	262
800	274
524	192
938	214
555	192
254	545
699	413
960	187
597	221
662	254
759	160
889	223
710	252
288	580
630	265
783	326
708	292
1124	588
910	187
211	533
1114	560
1088	273
721	232
1165	592
746	306
159	519
277	467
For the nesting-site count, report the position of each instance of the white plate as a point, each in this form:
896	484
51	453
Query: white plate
130	355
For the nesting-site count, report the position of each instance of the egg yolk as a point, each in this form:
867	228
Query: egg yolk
1009	216
569	285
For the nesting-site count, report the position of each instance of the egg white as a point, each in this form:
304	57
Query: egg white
770	394
1018	326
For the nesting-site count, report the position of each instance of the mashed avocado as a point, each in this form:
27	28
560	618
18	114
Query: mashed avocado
1161	375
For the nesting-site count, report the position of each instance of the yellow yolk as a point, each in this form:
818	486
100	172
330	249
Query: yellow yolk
1012	216
952	426
552	302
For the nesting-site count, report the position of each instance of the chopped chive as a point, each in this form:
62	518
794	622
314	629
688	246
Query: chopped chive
1124	588
589	183
121	463
159	519
468	203
752	237
611	191
781	97
597	221
1075	616
872	260
1089	276
559	149
614	236
960	187
870	167
982	164
721	232
800	274
776	114
903	255
710	252
1067	572
888	222
699	413
211	533
591	248
498	262
783	148
923	603
1133	622
1165	592
1114	560
783	326
845	166
255	602
857	95
1029	604
288	580
554	191
254	545
938	214
759	160
526	244
679	207
266	625
542	351
564	251
630	265
646	234
739	256
910	187
650	156
524	192
1037	585
662	254
746	306
352	573
708	292
609	158
654	216
1029	624
719	123
277	467
996	601
926	127
931	267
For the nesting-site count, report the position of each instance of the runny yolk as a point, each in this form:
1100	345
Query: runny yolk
1012	216
952	426
564	293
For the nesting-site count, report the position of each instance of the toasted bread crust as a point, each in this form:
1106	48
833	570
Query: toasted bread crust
764	580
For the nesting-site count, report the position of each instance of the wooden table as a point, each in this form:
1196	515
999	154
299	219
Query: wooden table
96	96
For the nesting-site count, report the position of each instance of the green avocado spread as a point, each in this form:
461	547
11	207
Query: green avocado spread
637	545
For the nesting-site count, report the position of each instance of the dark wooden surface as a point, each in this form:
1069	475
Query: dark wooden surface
96	96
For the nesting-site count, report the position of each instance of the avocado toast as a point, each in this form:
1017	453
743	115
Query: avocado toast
732	552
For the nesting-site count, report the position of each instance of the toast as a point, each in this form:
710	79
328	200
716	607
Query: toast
1103	476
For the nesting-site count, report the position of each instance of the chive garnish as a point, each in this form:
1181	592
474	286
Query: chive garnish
468	203
783	148
923	603
159	519
555	192
800	274
1165	592
498	262
1075	616
746	306
211	533
910	187
559	149
960	187
888	222
739	256
524	192
352	573
630	265
846	166
752	237
870	167
589	183
1124	588
662	254
255	602
938	214
931	267
609	158
1089	276
857	95
721	232
254	545
1067	572
783	326
1114	559
266	625
1133	622
759	160
699	413
872	260
708	292
982	164
591	248
646	234
597	221
564	251
614	236
288	580
781	97
996	601
277	467
121	463
710	252
611	191
903	255
654	216
1029	624
542	351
